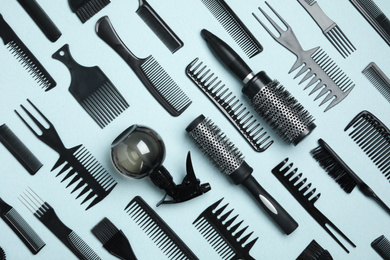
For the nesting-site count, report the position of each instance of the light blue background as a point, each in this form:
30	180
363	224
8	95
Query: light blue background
358	217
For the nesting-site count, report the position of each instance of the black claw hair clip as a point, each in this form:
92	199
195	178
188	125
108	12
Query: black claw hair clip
140	151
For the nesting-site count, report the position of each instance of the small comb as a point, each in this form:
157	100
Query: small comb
382	246
85	9
378	78
222	234
314	252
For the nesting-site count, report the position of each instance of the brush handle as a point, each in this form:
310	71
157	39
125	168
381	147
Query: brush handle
368	192
270	205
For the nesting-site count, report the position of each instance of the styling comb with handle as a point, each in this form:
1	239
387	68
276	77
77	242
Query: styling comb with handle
373	137
382	246
320	69
238	115
76	161
15	45
159	231
92	89
85	9
379	79
148	70
306	196
223	236
314	252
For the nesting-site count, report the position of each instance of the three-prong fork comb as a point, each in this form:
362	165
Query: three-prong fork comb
322	70
46	214
79	163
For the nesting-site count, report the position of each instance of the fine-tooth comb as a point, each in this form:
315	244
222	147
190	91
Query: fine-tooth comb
156	228
46	214
238	115
373	137
327	75
92	89
306	196
234	26
382	246
17	148
158	26
148	70
21	228
222	234
85	9
375	17
76	161
330	29
378	78
15	45
314	252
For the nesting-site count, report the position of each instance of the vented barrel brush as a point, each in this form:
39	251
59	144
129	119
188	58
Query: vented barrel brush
230	161
270	100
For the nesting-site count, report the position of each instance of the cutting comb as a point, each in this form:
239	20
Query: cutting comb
306	196
76	161
238	115
92	89
156	228
222	234
314	252
15	45
148	70
378	78
382	246
85	9
373	137
321	69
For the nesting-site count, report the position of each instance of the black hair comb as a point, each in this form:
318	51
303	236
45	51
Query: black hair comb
382	246
314	252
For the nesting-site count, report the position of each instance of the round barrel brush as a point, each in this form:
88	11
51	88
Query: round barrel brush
270	100
230	161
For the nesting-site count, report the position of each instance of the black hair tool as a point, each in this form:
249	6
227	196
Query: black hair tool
314	252
382	246
85	9
2	254
270	100
140	151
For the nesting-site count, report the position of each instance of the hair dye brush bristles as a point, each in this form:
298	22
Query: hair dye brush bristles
341	173
314	252
85	9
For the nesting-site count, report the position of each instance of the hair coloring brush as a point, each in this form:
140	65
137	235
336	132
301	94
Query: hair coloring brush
341	173
85	9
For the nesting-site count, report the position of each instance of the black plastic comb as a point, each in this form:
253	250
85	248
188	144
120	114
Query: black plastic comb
15	45
306	196
378	78
2	254
77	162
238	115
222	234
156	228
373	137
382	246
85	9
314	252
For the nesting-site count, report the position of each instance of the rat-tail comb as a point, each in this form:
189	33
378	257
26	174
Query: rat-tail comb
382	246
85	9
378	78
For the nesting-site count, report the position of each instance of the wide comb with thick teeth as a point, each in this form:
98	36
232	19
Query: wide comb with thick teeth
322	71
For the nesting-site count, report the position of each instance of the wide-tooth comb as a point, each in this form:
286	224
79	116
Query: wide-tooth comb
21	228
307	196
156	228
378	78
77	162
156	80
85	9
15	45
238	115
234	26
320	69
92	89
314	252
373	137
382	246
330	29
222	235
46	214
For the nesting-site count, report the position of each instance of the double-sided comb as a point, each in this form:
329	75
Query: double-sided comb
92	89
306	196
15	45
373	137
330	29
21	228
159	231
234	26
148	70
76	161
321	70
85	9
314	252
46	214
378	78
223	236
238	115
382	246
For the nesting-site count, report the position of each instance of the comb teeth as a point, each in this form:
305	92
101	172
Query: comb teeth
2	254
230	106
165	85
82	247
222	235
89	8
234	26
314	252
370	7
382	246
379	79
338	39
310	2
105	230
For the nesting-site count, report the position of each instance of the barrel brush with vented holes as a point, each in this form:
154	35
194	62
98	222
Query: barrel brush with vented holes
271	101
230	161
